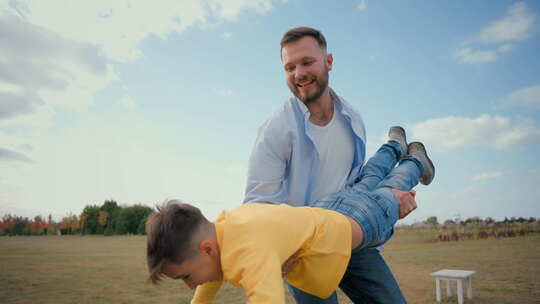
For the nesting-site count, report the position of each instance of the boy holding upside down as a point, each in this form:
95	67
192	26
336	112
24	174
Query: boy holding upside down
248	245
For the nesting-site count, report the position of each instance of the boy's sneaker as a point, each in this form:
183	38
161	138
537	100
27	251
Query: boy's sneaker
418	151
397	133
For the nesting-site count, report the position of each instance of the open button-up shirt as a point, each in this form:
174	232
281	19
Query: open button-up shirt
284	163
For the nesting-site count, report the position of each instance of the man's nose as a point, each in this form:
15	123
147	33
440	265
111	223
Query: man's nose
300	72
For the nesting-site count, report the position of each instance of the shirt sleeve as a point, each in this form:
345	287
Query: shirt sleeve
205	293
262	281
267	165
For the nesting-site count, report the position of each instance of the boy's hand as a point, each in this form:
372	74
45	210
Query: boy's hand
406	201
290	263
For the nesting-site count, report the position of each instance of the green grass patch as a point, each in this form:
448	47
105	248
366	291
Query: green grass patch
96	269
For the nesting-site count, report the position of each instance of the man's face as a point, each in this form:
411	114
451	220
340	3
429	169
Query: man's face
195	271
306	67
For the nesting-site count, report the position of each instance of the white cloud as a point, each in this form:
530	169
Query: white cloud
486	131
12	156
120	26
128	159
224	92
128	102
481	199
505	48
485	176
362	5
516	25
469	55
9	88
64	59
42	68
51	61
226	36
231	9
528	97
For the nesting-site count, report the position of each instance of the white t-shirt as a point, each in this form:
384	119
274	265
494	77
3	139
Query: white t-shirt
335	145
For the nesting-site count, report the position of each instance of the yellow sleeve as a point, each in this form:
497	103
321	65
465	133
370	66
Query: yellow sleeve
205	293
261	279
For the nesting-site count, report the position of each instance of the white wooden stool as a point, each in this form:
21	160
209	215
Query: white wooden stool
460	276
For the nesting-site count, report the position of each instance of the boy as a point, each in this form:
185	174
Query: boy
248	245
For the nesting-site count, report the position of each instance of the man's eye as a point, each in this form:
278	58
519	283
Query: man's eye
289	69
308	62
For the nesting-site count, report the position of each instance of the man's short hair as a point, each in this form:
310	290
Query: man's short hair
297	33
170	236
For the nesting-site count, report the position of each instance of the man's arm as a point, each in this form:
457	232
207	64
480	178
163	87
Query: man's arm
267	165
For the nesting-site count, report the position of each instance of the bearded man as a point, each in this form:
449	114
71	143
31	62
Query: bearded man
313	145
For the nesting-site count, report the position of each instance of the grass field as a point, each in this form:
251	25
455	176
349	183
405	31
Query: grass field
94	269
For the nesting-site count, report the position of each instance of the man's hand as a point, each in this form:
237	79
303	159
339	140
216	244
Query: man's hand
290	263
406	201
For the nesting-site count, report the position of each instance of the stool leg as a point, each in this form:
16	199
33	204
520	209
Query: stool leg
460	291
448	290
438	289
469	287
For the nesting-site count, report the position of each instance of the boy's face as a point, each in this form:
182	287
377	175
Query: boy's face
203	267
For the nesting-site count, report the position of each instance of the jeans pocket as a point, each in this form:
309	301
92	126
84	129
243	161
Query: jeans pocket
383	217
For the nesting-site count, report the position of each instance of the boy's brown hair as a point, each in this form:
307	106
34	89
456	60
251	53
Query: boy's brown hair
297	33
170	232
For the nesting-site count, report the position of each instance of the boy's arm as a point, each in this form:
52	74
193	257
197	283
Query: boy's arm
205	293
262	281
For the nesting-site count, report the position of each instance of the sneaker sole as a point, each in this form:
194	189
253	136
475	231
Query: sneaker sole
404	135
422	180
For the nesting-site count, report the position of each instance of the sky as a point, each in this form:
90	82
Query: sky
142	101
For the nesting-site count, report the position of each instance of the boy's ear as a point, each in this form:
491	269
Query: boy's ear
206	247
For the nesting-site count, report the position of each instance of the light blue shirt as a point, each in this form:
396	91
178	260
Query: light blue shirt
284	163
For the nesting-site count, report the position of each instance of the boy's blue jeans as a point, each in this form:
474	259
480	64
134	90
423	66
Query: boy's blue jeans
372	204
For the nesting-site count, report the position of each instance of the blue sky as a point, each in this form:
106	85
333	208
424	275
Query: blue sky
139	102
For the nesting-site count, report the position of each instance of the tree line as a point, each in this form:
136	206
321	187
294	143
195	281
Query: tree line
106	219
477	221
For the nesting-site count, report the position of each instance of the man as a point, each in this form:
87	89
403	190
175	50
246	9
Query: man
313	145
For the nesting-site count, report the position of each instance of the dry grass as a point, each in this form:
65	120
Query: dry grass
112	270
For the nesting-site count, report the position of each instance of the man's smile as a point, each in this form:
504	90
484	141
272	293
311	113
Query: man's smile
305	84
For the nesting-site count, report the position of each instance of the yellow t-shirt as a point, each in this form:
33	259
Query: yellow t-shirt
255	239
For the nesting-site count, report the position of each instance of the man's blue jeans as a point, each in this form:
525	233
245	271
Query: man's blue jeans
368	279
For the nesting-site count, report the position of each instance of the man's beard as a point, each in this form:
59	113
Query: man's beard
320	82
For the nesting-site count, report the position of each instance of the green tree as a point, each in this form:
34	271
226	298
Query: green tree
21	226
91	221
113	210
473	220
432	220
130	218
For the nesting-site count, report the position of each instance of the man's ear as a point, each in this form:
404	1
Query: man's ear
329	61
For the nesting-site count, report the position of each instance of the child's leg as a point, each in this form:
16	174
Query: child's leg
403	177
378	225
378	166
376	211
375	214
